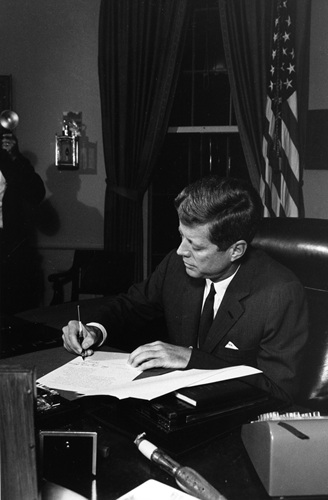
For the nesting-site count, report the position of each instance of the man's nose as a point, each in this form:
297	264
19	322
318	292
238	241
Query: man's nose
183	249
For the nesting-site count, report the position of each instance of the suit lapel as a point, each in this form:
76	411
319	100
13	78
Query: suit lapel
228	314
231	308
191	307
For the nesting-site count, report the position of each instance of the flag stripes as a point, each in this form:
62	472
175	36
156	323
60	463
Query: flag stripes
280	173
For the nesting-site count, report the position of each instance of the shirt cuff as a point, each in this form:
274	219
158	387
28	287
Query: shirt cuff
102	329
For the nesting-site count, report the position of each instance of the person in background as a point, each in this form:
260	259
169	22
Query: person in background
258	306
21	190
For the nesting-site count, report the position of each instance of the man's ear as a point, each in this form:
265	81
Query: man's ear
238	249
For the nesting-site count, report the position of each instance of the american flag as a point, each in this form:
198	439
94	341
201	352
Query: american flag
280	185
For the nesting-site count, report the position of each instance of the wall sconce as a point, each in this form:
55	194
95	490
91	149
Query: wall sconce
67	144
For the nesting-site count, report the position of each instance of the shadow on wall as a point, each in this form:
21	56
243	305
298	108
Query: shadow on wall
62	219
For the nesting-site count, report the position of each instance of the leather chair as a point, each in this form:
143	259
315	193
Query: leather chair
93	275
94	272
302	246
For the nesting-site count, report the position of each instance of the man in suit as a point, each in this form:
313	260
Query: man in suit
21	190
259	308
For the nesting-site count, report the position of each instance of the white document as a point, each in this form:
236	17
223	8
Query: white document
108	373
96	373
154	489
153	387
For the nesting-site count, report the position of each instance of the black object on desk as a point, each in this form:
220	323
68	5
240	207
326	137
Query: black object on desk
238	392
175	425
19	336
67	453
52	409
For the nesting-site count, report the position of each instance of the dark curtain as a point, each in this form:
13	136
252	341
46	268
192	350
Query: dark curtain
247	28
140	50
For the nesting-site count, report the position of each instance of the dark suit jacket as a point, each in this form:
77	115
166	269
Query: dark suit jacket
25	189
263	314
20	272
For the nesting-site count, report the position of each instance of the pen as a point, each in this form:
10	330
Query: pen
188	479
81	338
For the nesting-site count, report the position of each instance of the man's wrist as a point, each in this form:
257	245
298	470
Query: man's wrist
100	331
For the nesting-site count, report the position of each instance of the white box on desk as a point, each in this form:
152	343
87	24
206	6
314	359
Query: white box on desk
286	464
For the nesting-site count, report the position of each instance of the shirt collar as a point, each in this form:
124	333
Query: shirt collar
221	285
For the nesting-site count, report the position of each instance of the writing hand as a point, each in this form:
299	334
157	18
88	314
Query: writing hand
160	355
71	340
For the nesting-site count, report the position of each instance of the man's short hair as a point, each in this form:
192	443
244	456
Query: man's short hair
232	207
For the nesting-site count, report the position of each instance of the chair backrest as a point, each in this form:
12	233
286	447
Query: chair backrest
100	272
302	246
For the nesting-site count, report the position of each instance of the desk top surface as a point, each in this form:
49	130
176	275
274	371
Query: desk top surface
44	361
223	461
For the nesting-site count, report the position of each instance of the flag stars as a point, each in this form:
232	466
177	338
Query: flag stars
282	66
286	36
288	83
277	101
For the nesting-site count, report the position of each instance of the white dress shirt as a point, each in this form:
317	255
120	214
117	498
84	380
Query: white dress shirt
220	290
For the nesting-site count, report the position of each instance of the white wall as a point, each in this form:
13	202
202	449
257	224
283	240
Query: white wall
50	48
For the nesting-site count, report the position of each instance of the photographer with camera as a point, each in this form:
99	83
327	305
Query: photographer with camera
21	189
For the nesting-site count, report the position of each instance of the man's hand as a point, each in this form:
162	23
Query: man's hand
91	338
160	355
9	144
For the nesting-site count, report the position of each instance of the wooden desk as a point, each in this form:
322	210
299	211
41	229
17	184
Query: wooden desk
40	328
59	315
223	462
43	361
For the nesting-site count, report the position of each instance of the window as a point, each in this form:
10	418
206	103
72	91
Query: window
203	134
